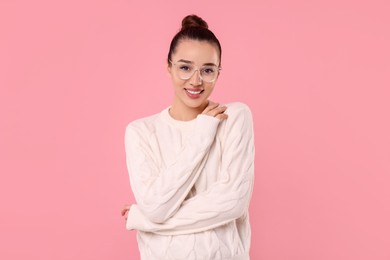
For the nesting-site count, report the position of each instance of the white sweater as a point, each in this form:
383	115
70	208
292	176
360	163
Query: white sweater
192	181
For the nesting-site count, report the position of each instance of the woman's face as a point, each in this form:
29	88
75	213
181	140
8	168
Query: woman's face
193	92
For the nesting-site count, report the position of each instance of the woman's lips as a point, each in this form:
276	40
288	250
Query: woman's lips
193	93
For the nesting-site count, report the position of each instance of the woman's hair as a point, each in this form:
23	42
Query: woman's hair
194	28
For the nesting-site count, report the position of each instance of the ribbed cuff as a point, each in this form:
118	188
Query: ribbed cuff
205	129
134	218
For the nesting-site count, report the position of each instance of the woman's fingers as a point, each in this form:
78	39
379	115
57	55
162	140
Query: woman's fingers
125	209
218	110
213	109
222	116
210	107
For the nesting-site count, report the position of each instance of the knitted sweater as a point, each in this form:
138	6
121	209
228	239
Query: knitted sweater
192	182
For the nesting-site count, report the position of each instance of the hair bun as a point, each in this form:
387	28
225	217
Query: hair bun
193	21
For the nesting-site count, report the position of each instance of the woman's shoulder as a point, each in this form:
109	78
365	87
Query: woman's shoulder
239	121
143	125
237	108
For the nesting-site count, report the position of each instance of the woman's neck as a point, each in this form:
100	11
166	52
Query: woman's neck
182	112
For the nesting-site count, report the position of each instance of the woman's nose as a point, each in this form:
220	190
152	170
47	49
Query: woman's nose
196	79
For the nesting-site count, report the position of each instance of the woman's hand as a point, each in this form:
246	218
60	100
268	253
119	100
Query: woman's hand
213	109
125	211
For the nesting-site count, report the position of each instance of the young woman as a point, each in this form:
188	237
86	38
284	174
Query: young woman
191	165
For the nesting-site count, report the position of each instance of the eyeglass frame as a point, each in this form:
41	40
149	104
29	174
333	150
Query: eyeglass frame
219	68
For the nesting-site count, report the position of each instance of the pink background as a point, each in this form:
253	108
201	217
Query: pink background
315	73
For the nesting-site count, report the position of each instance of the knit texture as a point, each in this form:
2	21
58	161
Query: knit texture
192	181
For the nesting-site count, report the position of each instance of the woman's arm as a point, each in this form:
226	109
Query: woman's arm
225	200
160	192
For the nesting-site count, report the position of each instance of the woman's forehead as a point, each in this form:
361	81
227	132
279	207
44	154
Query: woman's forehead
198	52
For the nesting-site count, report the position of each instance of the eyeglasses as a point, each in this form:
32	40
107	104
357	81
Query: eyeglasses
185	71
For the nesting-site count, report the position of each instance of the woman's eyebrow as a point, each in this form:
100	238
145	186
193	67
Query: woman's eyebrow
185	61
191	62
210	64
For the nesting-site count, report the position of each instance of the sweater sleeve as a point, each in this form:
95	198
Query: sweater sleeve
160	192
226	199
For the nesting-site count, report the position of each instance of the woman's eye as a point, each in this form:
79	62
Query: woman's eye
209	70
185	68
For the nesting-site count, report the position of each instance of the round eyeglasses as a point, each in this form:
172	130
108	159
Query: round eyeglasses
185	70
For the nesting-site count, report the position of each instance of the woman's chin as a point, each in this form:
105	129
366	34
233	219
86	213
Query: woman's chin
197	104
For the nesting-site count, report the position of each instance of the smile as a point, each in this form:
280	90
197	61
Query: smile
192	93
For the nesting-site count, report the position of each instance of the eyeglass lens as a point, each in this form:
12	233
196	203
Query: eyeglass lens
186	71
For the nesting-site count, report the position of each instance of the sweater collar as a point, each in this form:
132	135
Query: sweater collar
182	125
